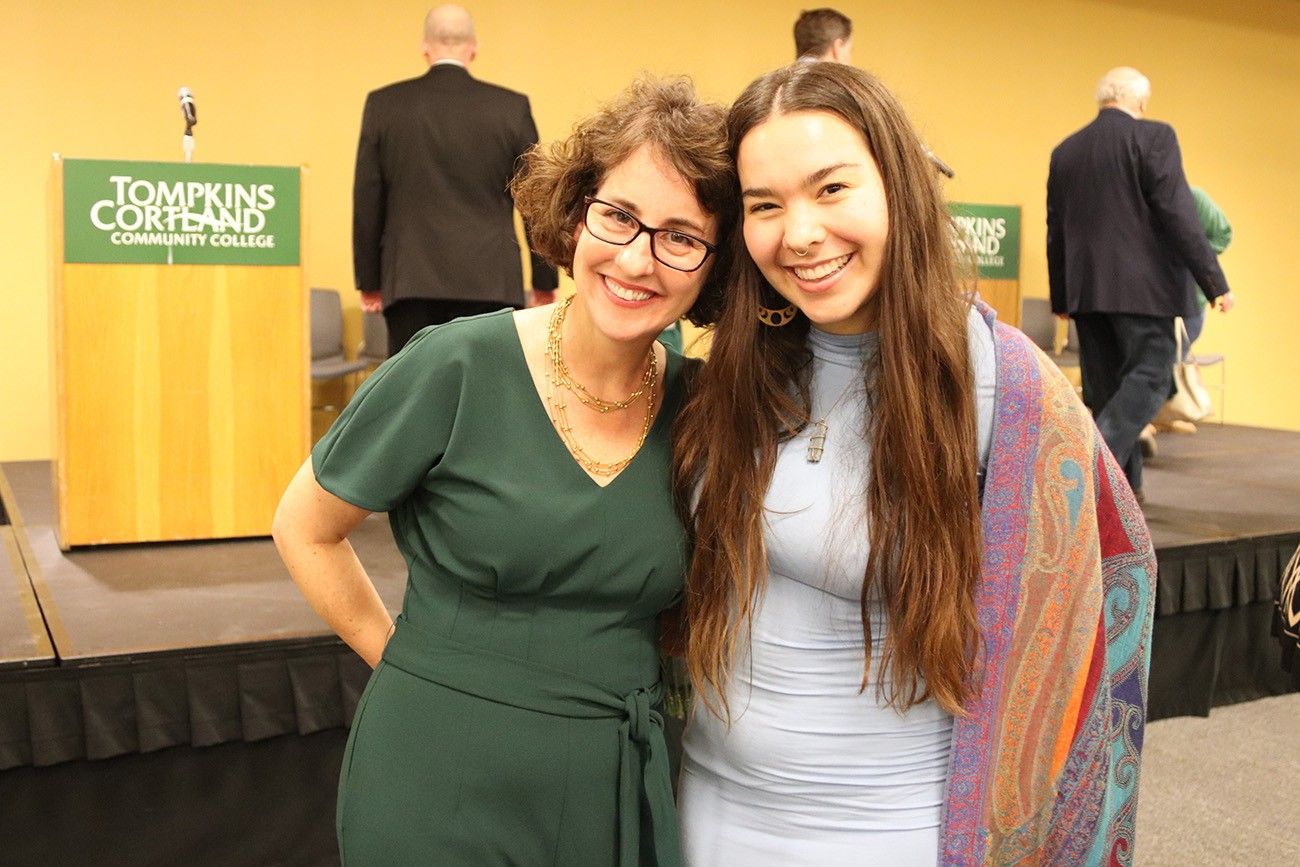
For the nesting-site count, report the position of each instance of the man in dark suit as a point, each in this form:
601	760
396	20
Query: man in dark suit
433	234
1121	229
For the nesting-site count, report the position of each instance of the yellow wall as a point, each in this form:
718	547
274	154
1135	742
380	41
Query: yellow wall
992	85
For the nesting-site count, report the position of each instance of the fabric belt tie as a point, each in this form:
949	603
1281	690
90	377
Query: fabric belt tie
644	784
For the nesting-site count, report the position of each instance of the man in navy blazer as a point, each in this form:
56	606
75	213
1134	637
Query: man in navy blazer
1121	229
433	233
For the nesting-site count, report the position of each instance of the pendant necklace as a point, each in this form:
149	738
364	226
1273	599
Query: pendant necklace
817	442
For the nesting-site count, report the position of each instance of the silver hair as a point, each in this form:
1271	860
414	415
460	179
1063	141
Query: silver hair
1123	84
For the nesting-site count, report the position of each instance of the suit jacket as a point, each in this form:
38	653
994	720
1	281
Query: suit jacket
1121	222
432	215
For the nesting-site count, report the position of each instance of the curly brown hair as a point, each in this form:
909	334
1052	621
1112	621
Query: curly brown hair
666	113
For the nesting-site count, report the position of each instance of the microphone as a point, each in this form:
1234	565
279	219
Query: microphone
187	107
939	164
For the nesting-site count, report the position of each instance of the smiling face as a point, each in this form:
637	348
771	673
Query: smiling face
811	186
627	293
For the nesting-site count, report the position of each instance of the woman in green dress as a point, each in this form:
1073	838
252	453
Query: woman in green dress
523	459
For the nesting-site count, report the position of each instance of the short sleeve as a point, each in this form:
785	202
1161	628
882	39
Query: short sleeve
397	425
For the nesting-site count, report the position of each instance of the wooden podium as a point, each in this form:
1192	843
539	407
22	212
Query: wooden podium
990	235
183	386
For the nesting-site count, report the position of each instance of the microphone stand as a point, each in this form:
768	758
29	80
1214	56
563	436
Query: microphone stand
942	167
187	143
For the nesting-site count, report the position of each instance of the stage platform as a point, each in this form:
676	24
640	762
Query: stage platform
167	703
1223	506
180	703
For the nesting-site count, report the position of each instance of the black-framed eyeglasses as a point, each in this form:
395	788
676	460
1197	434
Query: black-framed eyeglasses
613	225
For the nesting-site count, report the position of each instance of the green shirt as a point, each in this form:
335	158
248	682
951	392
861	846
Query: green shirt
1218	231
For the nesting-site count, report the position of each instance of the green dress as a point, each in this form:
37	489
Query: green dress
511	720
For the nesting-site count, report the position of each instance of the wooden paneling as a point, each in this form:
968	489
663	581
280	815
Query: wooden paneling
182	406
1004	297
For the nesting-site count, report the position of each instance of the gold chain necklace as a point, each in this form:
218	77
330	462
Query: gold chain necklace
564	379
558	410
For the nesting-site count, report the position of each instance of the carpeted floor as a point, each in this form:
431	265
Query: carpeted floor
1222	791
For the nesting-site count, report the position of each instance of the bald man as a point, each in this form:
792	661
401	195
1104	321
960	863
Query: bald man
433	235
1121	228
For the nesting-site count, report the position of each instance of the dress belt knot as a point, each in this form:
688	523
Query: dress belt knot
645	780
636	705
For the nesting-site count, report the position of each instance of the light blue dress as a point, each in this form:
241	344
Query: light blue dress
814	769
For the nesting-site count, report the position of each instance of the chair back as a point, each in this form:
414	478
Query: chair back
374	342
326	324
1037	321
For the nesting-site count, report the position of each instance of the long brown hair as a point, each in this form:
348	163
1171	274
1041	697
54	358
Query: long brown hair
922	495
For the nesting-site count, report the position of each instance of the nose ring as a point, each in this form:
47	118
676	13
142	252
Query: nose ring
800	253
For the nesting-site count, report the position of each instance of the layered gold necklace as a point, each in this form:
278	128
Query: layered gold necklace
559	380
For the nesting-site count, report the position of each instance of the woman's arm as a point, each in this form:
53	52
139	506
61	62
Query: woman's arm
310	530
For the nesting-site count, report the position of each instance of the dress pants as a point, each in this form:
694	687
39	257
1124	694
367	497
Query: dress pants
1195	324
409	315
1126	362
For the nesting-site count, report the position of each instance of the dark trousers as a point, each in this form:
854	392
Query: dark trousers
409	315
1126	362
1195	325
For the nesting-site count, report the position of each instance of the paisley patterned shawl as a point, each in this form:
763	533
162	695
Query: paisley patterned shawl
1044	766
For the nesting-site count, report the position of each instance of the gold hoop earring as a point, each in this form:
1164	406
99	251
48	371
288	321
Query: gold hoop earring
777	318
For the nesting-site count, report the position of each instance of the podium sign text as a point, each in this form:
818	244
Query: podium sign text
990	235
116	211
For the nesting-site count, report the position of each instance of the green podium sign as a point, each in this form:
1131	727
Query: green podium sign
117	211
991	233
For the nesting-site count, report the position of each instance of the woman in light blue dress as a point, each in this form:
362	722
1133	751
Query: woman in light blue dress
883	673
